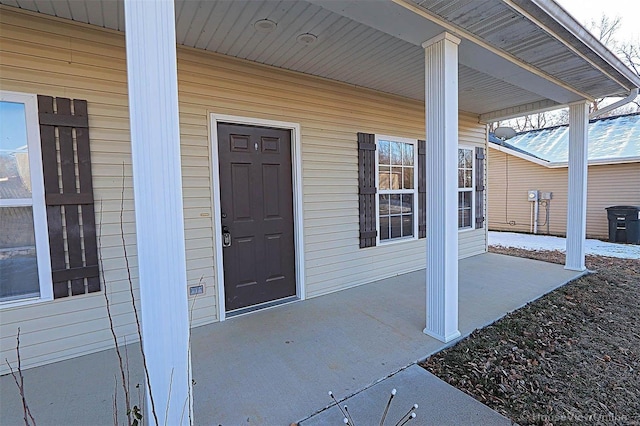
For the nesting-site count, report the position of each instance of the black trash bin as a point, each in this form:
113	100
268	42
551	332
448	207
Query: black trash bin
624	224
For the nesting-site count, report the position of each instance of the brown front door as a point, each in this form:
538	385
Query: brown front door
256	198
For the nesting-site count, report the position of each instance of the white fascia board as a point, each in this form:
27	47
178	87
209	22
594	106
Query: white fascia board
518	154
619	160
599	162
561	164
554	11
520	111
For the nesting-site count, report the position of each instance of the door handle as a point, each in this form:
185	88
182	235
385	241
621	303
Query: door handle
226	237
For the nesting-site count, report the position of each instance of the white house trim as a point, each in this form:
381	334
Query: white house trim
515	153
553	10
604	161
441	121
557	13
450	28
485	205
472	190
157	184
519	111
298	221
577	189
37	200
414	191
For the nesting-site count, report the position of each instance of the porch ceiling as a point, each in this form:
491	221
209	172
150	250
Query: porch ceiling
507	62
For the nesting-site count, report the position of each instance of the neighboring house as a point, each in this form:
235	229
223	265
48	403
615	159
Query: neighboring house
537	160
275	155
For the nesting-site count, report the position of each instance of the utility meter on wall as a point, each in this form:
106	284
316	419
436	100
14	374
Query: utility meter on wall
533	195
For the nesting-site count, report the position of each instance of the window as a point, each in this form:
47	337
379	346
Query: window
465	188
48	244
397	188
25	271
392	188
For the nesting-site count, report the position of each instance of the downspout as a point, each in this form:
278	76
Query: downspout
632	95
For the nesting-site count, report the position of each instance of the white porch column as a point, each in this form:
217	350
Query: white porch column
157	184
441	106
577	190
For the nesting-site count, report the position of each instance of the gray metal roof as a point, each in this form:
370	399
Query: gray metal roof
12	186
610	138
493	139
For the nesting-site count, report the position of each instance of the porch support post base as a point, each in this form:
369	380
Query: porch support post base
157	187
577	189
444	339
441	119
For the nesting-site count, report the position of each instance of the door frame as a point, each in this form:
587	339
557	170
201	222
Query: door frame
296	171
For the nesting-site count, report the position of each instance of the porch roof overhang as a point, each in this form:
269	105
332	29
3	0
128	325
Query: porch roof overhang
516	56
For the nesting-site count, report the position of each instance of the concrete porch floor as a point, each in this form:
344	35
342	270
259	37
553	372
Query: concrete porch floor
276	366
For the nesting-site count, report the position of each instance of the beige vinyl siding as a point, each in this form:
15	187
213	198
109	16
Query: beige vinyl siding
511	177
610	185
472	242
53	57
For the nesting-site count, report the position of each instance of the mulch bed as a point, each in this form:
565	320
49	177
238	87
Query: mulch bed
570	357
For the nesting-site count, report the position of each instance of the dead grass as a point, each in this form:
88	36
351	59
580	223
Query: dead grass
570	357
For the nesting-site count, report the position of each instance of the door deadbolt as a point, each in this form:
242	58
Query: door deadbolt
226	237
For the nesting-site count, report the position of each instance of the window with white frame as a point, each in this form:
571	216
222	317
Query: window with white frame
465	188
25	271
397	188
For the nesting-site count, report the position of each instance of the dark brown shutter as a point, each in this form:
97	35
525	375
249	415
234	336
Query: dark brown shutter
64	133
367	189
422	189
480	186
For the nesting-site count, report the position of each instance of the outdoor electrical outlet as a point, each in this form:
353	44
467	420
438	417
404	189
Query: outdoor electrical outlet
546	195
194	290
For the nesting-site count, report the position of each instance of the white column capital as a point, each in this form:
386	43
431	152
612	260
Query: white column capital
579	103
442	36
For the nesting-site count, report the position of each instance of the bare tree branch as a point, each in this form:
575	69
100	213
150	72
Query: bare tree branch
605	29
19	379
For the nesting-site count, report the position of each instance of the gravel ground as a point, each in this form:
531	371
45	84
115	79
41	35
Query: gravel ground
570	357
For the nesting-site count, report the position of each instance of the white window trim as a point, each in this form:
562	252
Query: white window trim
472	189
413	191
40	227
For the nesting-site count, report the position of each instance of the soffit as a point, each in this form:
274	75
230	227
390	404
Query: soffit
369	44
503	25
